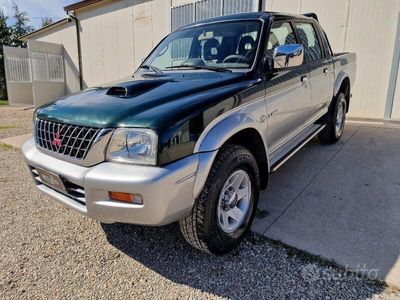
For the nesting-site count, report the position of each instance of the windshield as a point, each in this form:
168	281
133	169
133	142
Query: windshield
230	45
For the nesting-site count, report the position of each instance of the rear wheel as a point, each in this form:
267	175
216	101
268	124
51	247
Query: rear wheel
335	121
225	209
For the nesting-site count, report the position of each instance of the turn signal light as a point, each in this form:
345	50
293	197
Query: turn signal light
125	197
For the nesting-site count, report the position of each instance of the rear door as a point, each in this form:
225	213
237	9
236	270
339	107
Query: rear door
320	65
287	91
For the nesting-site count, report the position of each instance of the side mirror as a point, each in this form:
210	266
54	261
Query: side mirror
288	56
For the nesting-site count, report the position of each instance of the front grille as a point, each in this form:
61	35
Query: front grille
69	140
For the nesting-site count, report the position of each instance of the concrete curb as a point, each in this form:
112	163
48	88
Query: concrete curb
16	141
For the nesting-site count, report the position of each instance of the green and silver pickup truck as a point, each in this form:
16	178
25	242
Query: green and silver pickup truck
193	135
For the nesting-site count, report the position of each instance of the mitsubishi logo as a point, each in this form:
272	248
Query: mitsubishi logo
57	140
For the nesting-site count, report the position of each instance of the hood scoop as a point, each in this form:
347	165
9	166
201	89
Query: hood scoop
117	91
134	88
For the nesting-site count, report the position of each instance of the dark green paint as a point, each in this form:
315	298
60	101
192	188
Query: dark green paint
172	105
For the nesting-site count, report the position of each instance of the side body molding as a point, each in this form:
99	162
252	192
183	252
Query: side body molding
216	134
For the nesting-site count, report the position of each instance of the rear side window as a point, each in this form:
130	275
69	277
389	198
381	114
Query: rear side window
309	39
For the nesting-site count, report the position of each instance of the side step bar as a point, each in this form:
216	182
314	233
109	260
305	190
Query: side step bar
296	149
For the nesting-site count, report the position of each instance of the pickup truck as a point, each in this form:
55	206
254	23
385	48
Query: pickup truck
193	134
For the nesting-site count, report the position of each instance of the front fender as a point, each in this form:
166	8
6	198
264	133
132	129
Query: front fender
215	137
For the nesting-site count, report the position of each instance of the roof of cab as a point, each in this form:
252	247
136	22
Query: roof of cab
261	15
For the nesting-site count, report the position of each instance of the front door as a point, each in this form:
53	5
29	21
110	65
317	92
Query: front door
288	94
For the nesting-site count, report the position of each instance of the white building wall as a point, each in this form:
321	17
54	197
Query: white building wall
365	27
65	34
372	34
117	35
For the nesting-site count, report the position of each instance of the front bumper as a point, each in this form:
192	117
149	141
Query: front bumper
167	191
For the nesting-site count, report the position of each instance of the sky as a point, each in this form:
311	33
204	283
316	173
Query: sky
37	9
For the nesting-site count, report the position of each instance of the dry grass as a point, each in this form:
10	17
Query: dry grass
15	121
5	147
3	127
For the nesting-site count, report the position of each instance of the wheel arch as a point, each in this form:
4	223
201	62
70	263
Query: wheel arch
240	129
343	85
252	140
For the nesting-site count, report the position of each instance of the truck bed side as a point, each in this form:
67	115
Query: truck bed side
344	66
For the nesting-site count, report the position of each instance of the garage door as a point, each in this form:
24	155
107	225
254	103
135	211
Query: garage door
200	10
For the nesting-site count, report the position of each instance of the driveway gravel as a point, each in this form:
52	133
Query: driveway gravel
15	120
50	252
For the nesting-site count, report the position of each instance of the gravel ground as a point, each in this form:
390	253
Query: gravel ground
50	252
15	121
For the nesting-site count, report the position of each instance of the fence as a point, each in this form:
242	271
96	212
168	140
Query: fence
34	75
18	69
39	66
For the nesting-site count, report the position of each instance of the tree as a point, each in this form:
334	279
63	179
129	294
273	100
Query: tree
20	27
5	40
46	21
9	36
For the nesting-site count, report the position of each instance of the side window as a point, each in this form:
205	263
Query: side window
309	39
281	34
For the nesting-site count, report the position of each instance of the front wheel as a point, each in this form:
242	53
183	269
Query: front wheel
225	209
335	121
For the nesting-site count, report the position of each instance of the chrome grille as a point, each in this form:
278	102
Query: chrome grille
69	140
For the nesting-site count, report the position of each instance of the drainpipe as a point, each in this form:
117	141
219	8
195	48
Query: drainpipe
78	39
260	5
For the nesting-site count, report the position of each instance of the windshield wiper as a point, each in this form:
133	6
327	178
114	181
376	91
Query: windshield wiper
216	69
152	68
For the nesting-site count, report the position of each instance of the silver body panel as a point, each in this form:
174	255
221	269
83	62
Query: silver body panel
167	191
288	107
321	82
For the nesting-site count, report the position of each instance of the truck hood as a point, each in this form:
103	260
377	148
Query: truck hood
145	100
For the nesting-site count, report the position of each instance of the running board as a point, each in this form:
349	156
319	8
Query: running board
303	141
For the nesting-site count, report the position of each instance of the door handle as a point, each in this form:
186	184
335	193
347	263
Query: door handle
326	70
304	78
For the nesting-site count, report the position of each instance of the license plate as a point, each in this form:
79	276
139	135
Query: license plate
52	180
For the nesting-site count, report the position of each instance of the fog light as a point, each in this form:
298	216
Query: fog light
125	197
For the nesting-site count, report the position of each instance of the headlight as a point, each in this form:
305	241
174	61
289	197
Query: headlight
133	146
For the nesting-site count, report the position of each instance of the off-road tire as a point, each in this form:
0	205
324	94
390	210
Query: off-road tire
329	134
201	228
